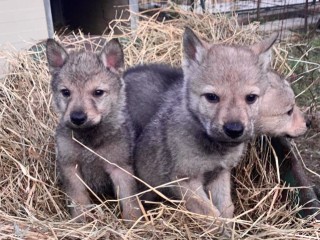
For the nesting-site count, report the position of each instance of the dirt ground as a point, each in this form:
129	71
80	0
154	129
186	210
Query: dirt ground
309	147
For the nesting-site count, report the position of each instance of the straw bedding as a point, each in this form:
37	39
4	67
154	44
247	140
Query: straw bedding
33	206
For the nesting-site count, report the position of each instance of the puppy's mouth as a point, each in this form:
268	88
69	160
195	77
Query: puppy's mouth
88	126
230	144
226	141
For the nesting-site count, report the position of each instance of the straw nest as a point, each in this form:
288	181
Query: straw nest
32	205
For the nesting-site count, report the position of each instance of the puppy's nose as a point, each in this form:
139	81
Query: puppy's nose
233	129
308	122
78	117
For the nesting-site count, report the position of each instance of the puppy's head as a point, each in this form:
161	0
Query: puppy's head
87	87
278	114
224	85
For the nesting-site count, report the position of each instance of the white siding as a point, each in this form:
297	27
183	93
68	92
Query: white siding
22	22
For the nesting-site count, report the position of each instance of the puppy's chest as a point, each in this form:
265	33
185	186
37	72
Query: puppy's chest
72	152
227	159
196	163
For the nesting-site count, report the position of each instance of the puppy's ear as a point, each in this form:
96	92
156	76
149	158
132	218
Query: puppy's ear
112	55
56	55
264	50
193	48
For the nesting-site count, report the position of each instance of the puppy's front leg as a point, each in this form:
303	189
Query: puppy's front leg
220	191
126	186
197	201
76	191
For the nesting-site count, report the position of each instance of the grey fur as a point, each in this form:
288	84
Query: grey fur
145	88
96	92
147	84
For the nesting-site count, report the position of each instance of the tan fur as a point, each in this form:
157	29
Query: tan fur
278	114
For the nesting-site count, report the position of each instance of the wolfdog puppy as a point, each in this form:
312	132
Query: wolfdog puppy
278	114
89	96
200	131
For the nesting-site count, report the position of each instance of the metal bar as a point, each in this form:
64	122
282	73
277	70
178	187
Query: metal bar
203	5
47	8
306	17
134	9
192	5
258	9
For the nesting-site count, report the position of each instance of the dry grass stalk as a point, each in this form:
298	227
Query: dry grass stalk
33	207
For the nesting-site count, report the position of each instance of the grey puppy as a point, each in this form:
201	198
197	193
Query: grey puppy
201	128
88	93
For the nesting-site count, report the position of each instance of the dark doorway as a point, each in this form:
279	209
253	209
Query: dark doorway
91	17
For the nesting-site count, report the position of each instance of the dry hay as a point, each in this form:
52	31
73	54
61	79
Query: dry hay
33	207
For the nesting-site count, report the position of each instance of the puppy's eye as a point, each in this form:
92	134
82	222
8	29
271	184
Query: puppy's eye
290	112
65	92
98	93
212	98
251	98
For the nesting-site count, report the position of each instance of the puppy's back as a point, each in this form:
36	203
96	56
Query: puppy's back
145	88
